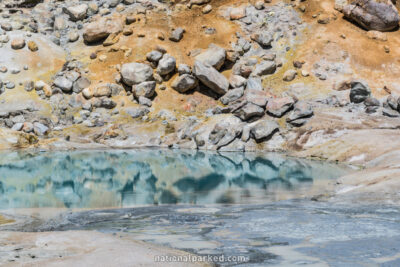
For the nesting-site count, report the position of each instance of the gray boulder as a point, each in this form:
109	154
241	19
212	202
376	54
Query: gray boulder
372	15
256	97
166	65
277	107
184	83
236	81
107	103
144	101
184	69
232	95
263	39
76	13
154	56
177	35
135	73
359	91
254	83
137	112
300	113
63	83
145	89
224	132
211	78
101	28
263	129
214	56
392	102
40	129
81	84
264	68
390	113
249	111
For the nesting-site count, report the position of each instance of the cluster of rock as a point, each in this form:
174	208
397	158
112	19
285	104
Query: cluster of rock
66	21
22	118
371	14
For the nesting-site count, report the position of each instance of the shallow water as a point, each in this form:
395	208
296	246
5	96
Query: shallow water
100	179
275	224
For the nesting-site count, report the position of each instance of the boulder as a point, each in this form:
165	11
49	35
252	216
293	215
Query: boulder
289	75
249	111
184	69
237	81
154	56
135	73
145	89
372	102
107	103
137	112
263	39
32	46
214	56
264	68
263	129
277	107
198	2
211	78
390	113
40	129
254	83
63	83
237	13
17	126
166	65
76	13
393	102
301	111
372	15
184	83
257	97
177	35
17	43
99	90
359	91
100	29
225	131
81	84
232	95
144	101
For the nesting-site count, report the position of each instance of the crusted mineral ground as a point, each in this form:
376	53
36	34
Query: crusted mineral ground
313	79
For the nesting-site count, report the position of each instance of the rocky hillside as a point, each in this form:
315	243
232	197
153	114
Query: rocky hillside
314	78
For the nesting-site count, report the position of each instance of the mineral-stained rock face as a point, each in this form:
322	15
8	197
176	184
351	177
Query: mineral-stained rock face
211	78
100	29
372	15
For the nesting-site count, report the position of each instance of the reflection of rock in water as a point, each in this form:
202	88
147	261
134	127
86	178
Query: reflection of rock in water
124	178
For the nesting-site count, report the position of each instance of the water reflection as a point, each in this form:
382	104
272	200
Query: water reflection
126	178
